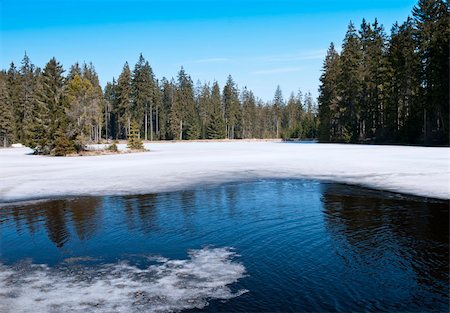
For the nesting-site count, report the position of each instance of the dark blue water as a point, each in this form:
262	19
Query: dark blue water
304	246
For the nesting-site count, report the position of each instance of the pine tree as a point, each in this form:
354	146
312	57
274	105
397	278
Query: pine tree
349	84
184	116
232	110
50	133
144	89
215	128
6	114
278	104
110	97
167	101
13	84
248	113
432	23
328	97
134	140
403	112
124	102
204	106
26	98
294	117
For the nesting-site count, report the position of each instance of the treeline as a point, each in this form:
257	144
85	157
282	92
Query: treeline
58	114
389	89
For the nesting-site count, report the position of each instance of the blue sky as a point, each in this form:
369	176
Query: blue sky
260	43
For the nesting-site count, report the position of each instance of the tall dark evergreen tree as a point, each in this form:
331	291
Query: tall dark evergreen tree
14	85
349	84
231	107
124	94
6	114
215	128
293	117
167	102
432	23
50	126
26	98
110	97
184	117
144	89
278	104
403	112
204	107
329	128
248	113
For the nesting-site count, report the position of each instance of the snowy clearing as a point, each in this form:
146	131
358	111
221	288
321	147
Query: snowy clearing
418	171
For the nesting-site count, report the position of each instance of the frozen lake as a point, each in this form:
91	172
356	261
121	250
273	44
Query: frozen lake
168	166
265	246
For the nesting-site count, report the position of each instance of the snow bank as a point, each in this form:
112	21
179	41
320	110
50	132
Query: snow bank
174	166
171	285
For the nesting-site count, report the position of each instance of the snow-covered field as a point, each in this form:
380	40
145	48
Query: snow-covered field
173	166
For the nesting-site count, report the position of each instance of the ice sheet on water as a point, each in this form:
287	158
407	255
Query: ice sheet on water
420	171
170	285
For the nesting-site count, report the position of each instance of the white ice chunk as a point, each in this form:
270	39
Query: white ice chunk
171	285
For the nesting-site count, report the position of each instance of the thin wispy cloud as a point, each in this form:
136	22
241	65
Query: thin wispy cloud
291	57
278	70
311	55
212	60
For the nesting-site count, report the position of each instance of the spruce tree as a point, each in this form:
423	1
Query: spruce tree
215	128
204	106
124	94
26	98
232	110
6	114
134	140
403	112
432	23
328	97
110	96
184	116
248	113
143	90
50	133
349	84
14	86
278	104
294	117
167	102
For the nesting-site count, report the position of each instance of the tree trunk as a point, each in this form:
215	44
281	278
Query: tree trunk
157	123
145	124
151	122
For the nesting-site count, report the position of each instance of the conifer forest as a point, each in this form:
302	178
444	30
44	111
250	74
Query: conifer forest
378	88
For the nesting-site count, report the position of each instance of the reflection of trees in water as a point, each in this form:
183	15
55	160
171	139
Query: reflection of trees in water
55	222
140	212
371	225
56	216
231	198
85	216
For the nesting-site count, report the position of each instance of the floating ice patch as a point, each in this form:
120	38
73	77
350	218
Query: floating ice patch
170	285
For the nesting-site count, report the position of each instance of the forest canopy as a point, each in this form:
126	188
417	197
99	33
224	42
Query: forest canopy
58	114
389	89
377	89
